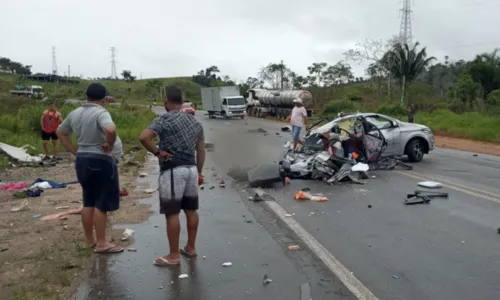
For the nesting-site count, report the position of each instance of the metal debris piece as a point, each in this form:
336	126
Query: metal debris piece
395	276
266	280
293	248
305	291
423	197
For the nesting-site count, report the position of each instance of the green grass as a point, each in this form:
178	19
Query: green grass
20	124
134	92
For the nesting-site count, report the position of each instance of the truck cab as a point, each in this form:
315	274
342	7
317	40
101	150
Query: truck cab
32	91
234	106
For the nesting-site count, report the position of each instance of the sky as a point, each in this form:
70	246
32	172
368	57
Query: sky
164	38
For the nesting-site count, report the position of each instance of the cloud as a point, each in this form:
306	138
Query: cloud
160	38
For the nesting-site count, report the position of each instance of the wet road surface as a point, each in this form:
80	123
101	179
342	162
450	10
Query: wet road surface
448	249
230	231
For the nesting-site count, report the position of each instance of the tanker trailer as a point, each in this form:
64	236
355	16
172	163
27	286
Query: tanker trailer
262	103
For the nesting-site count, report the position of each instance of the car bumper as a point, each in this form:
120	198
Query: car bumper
432	144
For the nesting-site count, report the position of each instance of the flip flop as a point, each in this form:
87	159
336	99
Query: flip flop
184	252
111	250
165	262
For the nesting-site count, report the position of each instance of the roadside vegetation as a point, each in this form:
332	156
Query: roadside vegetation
53	269
454	97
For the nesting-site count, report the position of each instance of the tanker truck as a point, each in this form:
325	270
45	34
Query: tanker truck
261	102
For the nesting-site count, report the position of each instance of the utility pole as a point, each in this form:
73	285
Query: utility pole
405	33
69	71
114	75
54	62
281	71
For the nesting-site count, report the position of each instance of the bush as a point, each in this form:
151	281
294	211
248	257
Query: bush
23	126
336	106
395	110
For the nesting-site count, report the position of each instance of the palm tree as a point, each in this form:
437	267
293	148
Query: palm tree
406	64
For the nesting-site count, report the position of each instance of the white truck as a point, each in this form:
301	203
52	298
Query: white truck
224	101
31	91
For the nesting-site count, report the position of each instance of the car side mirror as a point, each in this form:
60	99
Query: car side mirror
394	125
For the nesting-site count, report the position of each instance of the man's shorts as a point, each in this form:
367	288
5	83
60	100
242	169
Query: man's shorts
296	132
178	189
98	176
46	136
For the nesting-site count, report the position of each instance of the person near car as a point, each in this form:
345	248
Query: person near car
181	153
95	165
298	120
50	120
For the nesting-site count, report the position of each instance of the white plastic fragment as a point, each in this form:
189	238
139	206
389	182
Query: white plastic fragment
143	174
430	184
183	276
227	264
127	234
360	167
149	191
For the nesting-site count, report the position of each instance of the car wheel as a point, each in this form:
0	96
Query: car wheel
415	150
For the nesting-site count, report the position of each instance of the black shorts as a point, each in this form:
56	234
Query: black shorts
98	176
49	136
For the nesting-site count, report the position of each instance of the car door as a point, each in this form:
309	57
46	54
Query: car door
389	130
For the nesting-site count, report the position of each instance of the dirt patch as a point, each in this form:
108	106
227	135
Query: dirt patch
468	145
46	259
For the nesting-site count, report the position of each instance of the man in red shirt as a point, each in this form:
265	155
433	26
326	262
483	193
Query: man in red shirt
49	122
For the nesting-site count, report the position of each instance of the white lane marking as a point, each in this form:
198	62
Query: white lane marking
348	279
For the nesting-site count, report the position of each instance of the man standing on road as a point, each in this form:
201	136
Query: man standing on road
49	122
298	120
180	137
96	168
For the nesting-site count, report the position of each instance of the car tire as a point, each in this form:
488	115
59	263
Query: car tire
415	150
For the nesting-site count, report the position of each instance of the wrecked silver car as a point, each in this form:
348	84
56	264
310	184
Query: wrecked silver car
347	150
410	139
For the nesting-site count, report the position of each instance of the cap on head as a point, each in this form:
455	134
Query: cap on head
96	92
298	100
174	94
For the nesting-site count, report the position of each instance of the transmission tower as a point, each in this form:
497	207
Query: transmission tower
113	63
405	34
54	62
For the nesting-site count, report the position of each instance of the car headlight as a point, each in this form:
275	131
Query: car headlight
427	130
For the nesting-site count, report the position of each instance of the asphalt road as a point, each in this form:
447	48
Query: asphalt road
230	231
447	250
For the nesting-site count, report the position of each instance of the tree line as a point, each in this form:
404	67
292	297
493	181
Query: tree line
10	66
393	69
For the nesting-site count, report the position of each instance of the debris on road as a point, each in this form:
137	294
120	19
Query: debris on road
395	276
430	184
369	206
20	153
305	291
142	175
222	184
227	264
286	129
131	249
423	197
266	280
294	248
127	234
301	195
183	276
149	191
258	130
